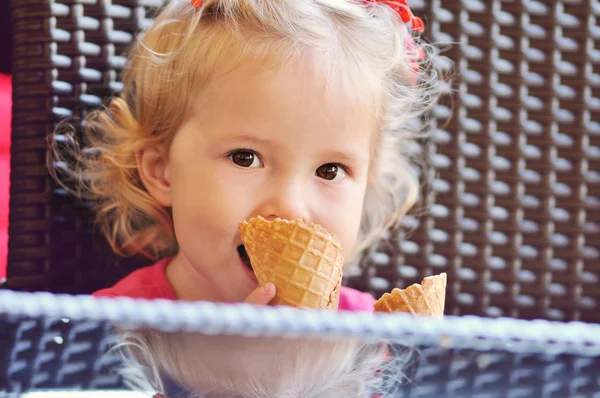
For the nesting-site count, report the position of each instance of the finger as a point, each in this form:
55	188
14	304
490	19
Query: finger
262	294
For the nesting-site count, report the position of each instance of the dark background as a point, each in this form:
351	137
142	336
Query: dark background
5	37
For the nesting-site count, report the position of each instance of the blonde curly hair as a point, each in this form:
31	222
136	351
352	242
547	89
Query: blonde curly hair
363	44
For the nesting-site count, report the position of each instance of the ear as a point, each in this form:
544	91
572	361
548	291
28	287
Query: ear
153	166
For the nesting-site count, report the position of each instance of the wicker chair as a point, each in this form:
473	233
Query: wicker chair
513	205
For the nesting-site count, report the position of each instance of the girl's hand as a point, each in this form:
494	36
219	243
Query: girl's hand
262	295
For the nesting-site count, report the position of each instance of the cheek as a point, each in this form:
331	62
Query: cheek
350	230
196	210
348	215
208	196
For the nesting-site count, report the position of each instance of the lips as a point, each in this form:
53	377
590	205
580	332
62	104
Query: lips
244	256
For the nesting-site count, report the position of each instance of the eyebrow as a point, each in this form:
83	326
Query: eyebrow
250	138
342	156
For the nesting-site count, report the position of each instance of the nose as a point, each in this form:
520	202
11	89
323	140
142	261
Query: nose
287	200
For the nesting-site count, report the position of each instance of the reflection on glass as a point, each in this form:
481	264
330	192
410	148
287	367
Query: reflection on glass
195	365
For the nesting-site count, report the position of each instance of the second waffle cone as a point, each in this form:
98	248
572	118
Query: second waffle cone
427	298
302	259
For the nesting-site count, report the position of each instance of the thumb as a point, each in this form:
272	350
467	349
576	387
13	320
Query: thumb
262	295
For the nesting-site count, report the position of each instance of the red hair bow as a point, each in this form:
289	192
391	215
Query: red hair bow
416	24
403	10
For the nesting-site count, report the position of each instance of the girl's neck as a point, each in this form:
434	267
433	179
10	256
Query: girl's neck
187	282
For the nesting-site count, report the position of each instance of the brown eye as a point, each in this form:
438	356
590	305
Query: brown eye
330	171
245	159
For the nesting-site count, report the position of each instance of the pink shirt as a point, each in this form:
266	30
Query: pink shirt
152	283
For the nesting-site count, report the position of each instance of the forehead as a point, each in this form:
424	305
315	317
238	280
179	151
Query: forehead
292	100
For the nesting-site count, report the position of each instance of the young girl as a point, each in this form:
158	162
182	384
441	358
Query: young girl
238	108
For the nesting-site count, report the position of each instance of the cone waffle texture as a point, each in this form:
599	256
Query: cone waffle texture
428	298
303	261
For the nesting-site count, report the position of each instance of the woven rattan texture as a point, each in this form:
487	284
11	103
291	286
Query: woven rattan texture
468	373
513	204
67	354
68	60
56	353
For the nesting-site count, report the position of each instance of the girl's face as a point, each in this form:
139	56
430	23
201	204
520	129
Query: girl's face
259	142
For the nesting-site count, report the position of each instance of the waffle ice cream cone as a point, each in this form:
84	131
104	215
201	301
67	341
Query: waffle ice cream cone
303	261
427	298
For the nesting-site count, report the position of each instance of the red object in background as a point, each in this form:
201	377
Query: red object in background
5	118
